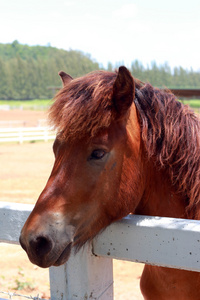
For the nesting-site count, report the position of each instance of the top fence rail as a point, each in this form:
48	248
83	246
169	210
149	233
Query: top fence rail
167	242
22	134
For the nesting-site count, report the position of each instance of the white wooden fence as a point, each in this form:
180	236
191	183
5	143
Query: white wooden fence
173	243
22	134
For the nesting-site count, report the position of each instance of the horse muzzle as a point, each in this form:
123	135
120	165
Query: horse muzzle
43	251
47	244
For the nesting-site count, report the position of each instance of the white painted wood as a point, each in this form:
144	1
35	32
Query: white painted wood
168	242
12	219
152	240
22	134
84	276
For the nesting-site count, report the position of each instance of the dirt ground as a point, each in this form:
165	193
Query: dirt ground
18	118
24	170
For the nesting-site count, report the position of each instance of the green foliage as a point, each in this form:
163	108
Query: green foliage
29	72
164	76
22	283
194	103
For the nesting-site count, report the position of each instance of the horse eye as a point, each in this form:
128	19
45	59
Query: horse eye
97	154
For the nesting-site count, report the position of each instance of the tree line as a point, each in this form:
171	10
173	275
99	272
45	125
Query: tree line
29	72
164	76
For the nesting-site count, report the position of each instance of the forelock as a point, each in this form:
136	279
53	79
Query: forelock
84	106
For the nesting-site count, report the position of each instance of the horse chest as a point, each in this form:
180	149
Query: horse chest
164	284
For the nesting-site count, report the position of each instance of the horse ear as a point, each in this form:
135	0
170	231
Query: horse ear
123	90
65	78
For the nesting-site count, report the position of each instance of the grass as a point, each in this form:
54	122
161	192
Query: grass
23	283
194	103
36	104
43	104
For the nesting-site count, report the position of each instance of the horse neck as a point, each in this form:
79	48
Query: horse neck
157	196
160	198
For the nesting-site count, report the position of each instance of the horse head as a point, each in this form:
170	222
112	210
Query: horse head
97	177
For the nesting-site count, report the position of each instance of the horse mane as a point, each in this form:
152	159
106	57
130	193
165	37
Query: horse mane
171	135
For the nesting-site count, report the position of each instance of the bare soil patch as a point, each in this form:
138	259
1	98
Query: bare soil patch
24	170
27	118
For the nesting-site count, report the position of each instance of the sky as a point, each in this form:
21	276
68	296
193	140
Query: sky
116	31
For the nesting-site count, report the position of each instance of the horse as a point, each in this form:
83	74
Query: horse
122	147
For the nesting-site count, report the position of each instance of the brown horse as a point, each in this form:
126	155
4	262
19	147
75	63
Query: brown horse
122	147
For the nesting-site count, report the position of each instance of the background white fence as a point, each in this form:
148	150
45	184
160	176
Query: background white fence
22	134
88	275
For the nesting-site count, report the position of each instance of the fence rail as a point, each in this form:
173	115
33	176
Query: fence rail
22	134
168	242
186	93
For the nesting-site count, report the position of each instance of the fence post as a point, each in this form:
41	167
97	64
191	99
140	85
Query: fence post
45	135
20	136
84	276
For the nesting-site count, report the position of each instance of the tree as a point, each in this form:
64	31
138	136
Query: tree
27	72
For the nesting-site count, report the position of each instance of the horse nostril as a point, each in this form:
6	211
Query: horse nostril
41	245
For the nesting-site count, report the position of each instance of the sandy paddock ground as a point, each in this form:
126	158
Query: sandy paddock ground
20	118
24	170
